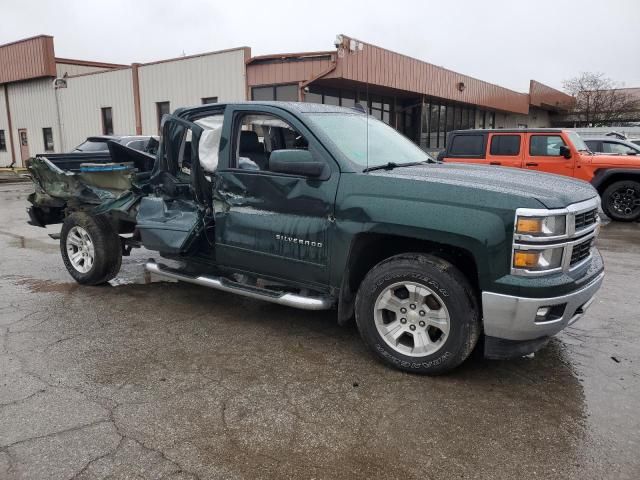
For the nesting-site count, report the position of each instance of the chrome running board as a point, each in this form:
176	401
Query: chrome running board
288	299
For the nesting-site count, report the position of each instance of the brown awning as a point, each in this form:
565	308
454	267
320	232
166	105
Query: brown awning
361	63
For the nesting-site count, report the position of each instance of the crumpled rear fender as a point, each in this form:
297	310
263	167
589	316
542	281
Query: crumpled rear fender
96	189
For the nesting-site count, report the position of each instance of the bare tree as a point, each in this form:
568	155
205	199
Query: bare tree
599	101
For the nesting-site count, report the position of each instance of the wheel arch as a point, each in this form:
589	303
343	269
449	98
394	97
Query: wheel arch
369	249
606	176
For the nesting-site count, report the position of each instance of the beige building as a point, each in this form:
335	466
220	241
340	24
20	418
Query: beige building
51	104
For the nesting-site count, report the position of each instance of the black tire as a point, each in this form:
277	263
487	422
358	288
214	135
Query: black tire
454	292
621	201
106	247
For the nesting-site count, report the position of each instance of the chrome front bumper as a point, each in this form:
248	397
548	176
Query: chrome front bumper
514	318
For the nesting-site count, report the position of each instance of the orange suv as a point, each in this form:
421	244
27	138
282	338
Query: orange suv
550	150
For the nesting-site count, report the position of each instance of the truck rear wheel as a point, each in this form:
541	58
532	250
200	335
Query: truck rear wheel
418	313
621	201
90	249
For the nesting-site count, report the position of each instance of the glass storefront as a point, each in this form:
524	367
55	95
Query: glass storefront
380	107
427	122
440	118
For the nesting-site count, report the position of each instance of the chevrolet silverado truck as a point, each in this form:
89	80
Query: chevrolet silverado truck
321	207
563	152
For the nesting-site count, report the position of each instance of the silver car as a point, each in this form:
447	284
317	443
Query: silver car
612	146
98	143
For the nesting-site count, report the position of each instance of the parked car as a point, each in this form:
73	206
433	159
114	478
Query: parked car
286	202
613	146
563	152
99	143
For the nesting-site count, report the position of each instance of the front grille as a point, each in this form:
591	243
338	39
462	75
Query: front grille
581	251
584	219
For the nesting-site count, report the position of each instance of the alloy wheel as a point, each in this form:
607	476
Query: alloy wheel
412	319
625	201
80	249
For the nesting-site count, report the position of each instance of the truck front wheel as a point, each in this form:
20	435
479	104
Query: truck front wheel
418	313
621	201
90	249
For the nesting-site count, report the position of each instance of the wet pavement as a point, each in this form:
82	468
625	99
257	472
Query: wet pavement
158	379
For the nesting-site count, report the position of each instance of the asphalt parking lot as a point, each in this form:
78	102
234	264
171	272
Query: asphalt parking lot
153	379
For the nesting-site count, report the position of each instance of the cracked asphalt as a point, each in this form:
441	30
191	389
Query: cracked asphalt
161	380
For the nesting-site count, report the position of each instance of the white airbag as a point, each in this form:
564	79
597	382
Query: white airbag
210	142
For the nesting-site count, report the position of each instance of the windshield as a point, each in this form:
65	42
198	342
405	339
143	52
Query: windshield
349	133
577	141
90	146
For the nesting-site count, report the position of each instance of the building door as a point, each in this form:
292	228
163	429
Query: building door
24	144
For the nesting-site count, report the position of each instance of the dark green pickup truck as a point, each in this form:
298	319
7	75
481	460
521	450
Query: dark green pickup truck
321	207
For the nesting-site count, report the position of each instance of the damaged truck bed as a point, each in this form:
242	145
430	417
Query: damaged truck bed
92	183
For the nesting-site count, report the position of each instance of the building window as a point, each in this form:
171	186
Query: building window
3	142
380	108
162	109
434	123
107	120
287	93
312	97
264	94
447	113
491	120
47	134
208	100
347	99
363	99
457	122
280	93
330	96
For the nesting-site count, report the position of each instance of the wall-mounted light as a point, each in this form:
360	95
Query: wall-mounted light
60	83
461	86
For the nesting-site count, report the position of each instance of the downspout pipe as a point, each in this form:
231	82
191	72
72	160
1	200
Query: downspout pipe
59	118
10	126
323	73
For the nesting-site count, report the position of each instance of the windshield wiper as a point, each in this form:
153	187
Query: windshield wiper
392	165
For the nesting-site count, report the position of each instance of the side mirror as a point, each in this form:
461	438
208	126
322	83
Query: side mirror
565	152
295	162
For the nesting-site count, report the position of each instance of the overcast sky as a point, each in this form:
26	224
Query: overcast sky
504	42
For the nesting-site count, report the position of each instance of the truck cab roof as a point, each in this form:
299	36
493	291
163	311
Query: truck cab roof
296	107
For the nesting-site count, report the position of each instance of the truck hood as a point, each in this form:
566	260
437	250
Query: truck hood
552	191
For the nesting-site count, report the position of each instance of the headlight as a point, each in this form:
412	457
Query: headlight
552	226
538	260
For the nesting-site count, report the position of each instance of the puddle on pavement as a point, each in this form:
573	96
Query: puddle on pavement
35	285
